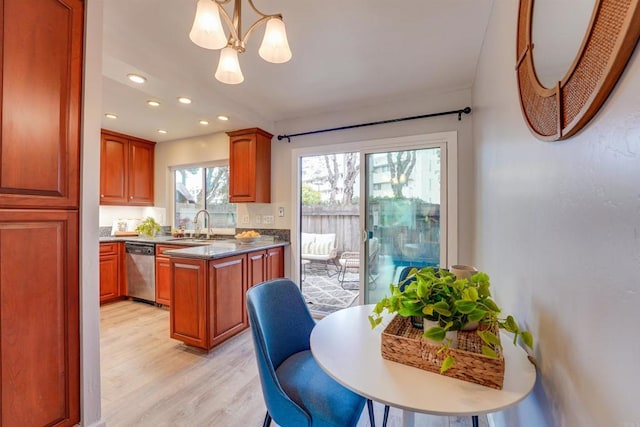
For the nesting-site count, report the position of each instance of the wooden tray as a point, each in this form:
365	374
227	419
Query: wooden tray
403	343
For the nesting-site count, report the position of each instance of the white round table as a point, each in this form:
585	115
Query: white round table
346	347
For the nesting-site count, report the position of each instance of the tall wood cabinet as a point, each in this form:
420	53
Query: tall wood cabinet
249	166
126	170
40	90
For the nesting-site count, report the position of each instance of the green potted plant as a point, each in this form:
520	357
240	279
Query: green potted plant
453	305
148	227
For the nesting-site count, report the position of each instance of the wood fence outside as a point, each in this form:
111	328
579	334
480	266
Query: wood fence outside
344	221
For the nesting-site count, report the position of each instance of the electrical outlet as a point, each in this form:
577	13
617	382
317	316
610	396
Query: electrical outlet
258	219
280	211
245	219
267	219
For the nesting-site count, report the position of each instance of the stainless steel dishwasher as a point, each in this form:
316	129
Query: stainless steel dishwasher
141	271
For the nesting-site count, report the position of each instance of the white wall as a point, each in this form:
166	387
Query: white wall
557	229
90	189
409	105
203	149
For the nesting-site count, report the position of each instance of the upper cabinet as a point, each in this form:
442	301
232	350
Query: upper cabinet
126	170
41	84
249	166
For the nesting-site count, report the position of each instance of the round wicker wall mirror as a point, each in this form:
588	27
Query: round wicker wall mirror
559	112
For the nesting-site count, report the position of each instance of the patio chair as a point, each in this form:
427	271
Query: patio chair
297	392
351	259
319	248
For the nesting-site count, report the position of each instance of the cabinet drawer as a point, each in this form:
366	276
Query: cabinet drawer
109	248
161	249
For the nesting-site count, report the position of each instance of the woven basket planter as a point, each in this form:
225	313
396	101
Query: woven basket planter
403	343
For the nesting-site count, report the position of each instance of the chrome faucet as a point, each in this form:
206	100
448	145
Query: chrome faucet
208	218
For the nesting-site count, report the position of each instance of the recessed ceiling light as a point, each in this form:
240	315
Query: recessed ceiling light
223	118
162	131
111	116
136	78
204	122
153	103
184	100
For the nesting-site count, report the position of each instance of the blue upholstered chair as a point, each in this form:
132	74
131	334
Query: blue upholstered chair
297	392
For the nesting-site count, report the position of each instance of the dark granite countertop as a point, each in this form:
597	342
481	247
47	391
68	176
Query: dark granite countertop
202	249
224	248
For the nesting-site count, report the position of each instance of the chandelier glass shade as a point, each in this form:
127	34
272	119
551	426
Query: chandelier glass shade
208	32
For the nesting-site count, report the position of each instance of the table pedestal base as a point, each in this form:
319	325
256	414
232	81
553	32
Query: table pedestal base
409	419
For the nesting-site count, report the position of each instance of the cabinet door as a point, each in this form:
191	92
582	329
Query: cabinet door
140	173
275	263
227	288
163	274
109	277
39	309
114	163
256	268
242	168
250	166
163	281
189	301
40	87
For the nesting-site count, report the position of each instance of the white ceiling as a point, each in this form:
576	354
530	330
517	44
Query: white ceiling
345	54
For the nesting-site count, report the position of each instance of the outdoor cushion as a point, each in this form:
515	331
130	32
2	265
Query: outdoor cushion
318	246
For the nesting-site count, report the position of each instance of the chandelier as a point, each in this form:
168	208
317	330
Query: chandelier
207	32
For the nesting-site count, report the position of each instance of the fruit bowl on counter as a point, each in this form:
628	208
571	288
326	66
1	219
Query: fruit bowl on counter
247	237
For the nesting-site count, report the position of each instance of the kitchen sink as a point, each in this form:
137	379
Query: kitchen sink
191	240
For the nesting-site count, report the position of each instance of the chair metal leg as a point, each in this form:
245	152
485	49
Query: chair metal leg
372	419
385	417
267	420
474	420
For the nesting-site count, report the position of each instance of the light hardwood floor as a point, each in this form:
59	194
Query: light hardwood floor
150	380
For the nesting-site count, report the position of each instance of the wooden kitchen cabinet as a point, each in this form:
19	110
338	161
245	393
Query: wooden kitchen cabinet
126	170
163	274
189	301
40	92
257	268
227	286
275	263
39	312
111	277
208	304
249	166
265	265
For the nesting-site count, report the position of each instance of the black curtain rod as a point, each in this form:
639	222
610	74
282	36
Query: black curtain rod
465	110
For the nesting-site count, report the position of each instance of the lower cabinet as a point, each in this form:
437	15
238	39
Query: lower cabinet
111	277
208	304
163	274
189	301
39	315
265	265
226	288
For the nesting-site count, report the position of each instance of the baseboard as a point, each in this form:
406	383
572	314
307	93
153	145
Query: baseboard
99	423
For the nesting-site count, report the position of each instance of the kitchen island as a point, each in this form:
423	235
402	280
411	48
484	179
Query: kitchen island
208	286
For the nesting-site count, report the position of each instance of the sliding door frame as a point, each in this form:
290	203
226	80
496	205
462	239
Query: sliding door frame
447	141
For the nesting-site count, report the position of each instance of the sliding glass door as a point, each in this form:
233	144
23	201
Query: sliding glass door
382	206
403	204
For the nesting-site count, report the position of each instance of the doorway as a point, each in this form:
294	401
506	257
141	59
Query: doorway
406	211
329	229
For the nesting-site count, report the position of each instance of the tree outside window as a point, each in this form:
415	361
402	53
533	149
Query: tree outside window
203	188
